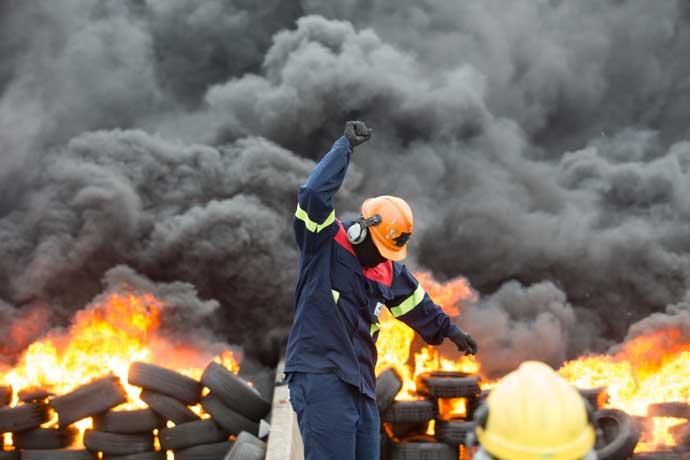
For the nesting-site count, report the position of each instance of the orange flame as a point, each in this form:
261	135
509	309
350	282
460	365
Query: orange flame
106	338
395	337
651	368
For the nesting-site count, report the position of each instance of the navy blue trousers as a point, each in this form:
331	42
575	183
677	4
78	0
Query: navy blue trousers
337	422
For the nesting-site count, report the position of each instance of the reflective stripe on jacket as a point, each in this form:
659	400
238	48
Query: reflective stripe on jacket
337	300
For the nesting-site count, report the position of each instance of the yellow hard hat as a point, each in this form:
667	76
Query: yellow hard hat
535	414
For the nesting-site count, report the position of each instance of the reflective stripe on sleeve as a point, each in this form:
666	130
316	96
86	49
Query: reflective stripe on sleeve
312	226
336	295
408	304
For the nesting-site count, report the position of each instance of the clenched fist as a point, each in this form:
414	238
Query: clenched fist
357	132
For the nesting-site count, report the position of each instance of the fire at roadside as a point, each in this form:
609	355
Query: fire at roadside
91	391
645	383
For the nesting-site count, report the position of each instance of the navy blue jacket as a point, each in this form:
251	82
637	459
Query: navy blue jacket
337	300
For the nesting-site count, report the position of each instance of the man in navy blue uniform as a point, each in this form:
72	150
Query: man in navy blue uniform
348	272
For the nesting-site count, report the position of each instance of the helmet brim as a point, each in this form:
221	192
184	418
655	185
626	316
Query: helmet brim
396	255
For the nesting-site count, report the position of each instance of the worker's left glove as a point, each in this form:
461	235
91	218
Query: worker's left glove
464	342
357	132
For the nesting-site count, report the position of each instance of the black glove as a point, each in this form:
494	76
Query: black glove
357	132
464	342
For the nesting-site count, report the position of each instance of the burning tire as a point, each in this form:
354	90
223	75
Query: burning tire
419	411
58	454
23	417
118	444
158	455
402	430
166	381
453	432
191	434
235	392
669	409
422	447
213	451
447	384
618	438
227	418
134	421
44	438
388	385
5	395
88	400
169	408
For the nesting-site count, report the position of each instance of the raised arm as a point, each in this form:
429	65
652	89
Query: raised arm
315	214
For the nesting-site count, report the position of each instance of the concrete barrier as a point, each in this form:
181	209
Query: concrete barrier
284	441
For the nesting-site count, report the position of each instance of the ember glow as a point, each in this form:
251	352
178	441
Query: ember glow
395	338
648	369
107	337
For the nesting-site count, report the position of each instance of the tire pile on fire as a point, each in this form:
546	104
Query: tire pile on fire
168	424
406	423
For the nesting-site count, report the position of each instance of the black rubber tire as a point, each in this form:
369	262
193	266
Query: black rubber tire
44	438
617	436
388	385
168	407
596	397
453	432
215	451
245	451
228	419
153	455
421	448
34	394
669	409
191	434
118	444
9	454
166	381
403	430
58	454
23	417
237	394
133	421
419	411
88	400
5	395
251	439
447	384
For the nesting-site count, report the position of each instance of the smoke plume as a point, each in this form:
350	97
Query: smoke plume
542	145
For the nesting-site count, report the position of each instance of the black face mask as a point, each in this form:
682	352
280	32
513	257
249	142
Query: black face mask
367	253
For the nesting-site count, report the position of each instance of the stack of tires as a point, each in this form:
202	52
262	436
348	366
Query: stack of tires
405	423
233	413
680	431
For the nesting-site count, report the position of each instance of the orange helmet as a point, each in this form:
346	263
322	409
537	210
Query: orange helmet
391	235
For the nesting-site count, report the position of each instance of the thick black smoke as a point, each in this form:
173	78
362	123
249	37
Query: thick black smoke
542	146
